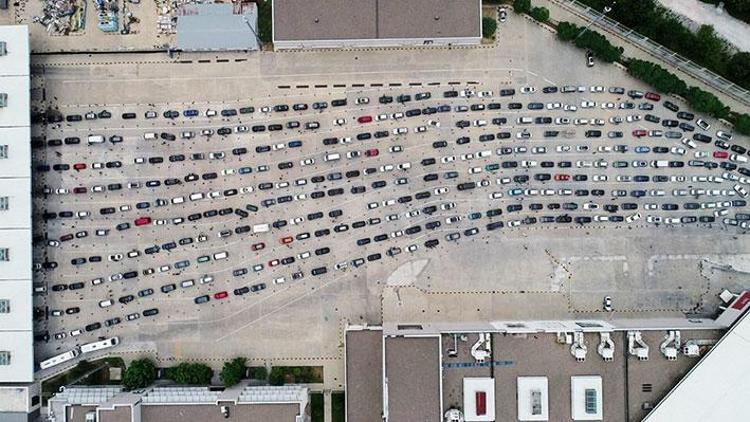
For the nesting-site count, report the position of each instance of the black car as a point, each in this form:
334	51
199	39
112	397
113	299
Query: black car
93	327
151	312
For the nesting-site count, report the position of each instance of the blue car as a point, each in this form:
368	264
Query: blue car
642	149
190	113
295	144
475	216
245	170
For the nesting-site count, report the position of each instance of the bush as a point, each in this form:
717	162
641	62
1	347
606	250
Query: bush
706	102
658	77
541	14
489	26
738	69
742	124
232	372
522	6
591	40
265	20
139	374
259	373
277	376
190	373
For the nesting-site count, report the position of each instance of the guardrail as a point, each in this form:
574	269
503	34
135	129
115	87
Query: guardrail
662	53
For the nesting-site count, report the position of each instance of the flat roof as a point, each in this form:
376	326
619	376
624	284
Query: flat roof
16	61
364	375
300	20
212	412
412	366
716	389
215	27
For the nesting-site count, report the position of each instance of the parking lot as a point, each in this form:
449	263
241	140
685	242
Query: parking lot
193	221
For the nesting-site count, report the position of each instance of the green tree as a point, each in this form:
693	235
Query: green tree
522	6
566	31
706	102
738	69
190	373
742	124
265	20
710	49
233	371
277	376
139	374
489	26
658	77
541	14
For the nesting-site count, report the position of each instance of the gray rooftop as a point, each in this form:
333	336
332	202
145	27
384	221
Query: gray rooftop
375	19
364	375
209	27
412	366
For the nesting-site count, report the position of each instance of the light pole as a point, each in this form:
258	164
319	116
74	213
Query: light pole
606	10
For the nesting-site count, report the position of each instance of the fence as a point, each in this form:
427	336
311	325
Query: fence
662	53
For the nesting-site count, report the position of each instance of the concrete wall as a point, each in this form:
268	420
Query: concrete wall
365	43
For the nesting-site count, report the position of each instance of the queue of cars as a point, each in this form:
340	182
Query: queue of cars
472	147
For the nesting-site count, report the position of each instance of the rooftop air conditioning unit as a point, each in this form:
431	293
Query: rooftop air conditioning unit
3	49
3	99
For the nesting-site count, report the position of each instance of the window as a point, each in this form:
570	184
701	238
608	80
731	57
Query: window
4	202
591	405
4	254
3	151
4	358
4	306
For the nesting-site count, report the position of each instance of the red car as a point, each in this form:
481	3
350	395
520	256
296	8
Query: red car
287	240
639	132
562	177
79	166
653	96
66	237
721	154
364	119
258	246
221	295
372	152
143	221
80	189
273	262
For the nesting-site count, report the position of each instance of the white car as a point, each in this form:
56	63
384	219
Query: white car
700	154
440	190
228	172
353	154
475	170
304	255
597	89
389	202
554	106
396	148
420	129
115	257
480	123
412	248
563	148
433	123
496	195
339	122
448	206
106	303
588	104
600	178
562	121
296	220
448	159
387	167
404	166
398	115
307	162
246	189
363	100
278	147
570	107
400	131
608	105
528	90
381	117
678	150
484	94
468	156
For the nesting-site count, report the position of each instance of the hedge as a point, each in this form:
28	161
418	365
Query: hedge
190	373
541	14
591	40
489	26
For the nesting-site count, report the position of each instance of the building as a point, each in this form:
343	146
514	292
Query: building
578	370
287	403
304	24
16	331
217	27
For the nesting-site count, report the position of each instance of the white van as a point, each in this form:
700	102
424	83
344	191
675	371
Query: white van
187	283
220	255
106	303
96	139
197	196
261	228
150	136
332	157
178	199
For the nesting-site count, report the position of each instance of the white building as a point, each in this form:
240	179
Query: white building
16	332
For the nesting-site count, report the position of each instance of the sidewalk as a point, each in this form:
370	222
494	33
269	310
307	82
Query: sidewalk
560	10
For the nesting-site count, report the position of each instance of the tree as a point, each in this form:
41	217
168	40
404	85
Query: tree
522	6
706	102
233	371
489	26
658	77
738	69
190	373
139	374
277	376
566	31
742	124
265	20
541	14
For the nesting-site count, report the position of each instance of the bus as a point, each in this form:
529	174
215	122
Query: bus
61	358
99	345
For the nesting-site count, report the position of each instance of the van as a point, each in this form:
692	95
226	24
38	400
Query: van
197	196
525	120
260	228
178	200
332	157
660	163
105	303
221	255
149	136
187	283
96	139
